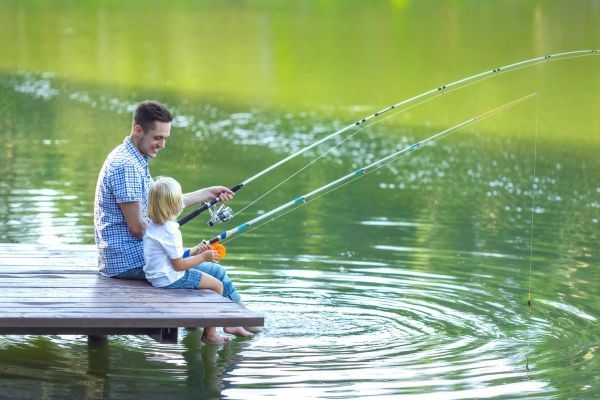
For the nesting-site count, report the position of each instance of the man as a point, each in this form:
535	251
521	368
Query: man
120	206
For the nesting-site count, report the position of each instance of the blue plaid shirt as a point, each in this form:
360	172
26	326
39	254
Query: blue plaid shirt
124	177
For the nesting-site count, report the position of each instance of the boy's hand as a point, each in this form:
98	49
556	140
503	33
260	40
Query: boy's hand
210	255
203	246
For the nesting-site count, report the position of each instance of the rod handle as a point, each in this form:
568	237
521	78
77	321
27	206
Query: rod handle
205	206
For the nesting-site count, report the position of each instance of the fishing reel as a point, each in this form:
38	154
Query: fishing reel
219	216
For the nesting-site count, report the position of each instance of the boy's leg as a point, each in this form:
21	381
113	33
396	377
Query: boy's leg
209	282
213	272
209	336
238	331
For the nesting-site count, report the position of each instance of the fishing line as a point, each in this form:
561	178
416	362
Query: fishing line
301	169
533	189
477	119
364	171
361	128
364	127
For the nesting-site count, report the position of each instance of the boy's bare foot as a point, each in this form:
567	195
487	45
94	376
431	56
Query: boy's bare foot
253	329
209	336
237	331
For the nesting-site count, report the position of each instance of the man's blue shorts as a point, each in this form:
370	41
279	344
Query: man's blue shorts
193	277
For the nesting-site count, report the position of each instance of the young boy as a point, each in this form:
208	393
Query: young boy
163	254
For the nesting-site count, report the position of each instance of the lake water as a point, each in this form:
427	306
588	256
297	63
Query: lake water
410	282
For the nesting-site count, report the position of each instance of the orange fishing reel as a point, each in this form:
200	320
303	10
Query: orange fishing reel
220	249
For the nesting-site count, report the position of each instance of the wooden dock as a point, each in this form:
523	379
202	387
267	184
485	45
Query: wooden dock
48	290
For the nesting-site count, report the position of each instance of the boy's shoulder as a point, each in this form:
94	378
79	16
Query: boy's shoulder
171	226
168	228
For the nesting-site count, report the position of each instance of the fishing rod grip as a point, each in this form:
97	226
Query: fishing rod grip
206	206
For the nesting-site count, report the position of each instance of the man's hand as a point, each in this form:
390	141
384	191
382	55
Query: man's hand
223	193
208	194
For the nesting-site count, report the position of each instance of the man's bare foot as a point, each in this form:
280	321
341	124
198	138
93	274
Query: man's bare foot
211	337
253	329
237	331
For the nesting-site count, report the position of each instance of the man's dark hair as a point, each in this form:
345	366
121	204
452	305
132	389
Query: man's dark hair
149	111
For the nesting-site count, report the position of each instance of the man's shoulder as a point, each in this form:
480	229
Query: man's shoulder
120	154
119	159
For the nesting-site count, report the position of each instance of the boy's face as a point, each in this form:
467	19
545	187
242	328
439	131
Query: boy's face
154	140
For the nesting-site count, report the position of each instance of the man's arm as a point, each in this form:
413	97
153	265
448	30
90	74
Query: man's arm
207	194
132	211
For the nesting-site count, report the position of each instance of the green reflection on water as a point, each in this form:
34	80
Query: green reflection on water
315	55
445	229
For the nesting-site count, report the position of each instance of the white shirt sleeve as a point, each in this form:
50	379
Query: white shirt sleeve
173	243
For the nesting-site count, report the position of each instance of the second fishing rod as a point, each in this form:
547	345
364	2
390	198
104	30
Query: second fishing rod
368	168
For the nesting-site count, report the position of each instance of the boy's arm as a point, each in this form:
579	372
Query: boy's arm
183	264
190	252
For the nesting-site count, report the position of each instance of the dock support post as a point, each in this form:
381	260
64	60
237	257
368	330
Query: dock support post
165	335
97	339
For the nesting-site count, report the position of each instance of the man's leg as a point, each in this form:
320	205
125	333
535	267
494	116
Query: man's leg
217	271
133	273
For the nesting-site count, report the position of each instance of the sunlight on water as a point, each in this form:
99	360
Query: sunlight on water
410	282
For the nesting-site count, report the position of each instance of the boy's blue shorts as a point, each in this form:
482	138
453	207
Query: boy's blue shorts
190	280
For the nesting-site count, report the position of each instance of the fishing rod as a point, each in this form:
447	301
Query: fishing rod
225	213
361	172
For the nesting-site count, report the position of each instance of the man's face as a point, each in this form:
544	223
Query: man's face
153	140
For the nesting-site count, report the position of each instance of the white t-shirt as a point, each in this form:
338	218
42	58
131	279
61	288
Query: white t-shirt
162	243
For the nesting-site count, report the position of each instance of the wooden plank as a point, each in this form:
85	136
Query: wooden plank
28	269
64	285
49	281
77	279
110	282
234	318
25	253
103	292
78	331
94	304
120	300
49	309
48	262
49	273
56	274
34	248
98	335
124	301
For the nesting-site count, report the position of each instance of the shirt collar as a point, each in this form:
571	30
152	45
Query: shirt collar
130	148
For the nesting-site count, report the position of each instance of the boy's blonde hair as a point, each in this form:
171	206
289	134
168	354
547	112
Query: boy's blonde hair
165	200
